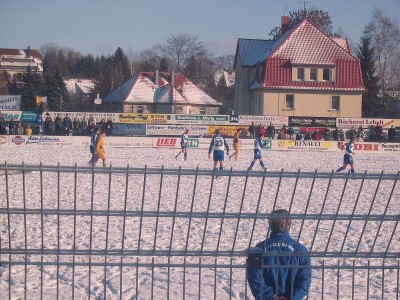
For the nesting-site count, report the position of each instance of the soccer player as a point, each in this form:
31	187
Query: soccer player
236	138
93	139
99	152
348	156
217	147
258	145
184	145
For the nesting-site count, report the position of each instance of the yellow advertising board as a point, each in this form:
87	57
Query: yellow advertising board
227	130
133	118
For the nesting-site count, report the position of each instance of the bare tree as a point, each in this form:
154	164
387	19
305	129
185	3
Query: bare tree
180	49
386	41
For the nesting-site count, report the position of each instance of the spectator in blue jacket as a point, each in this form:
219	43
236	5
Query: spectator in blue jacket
292	279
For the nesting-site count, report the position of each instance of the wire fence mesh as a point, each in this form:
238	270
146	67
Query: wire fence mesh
153	233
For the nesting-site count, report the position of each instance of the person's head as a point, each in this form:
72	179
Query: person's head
351	139
282	222
239	130
97	130
187	130
217	132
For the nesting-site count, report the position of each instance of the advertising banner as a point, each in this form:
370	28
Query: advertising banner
199	119
28	116
128	142
128	129
134	118
312	122
8	115
365	123
72	115
10	102
226	130
176	130
277	121
305	145
3	140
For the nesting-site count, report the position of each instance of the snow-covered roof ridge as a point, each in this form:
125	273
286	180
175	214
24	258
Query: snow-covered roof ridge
142	88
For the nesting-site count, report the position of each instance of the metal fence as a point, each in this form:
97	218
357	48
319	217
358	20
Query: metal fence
142	233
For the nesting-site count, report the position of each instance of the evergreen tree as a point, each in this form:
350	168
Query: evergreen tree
56	92
371	102
30	87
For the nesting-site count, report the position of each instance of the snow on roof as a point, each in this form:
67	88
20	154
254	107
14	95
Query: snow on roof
307	45
142	89
79	86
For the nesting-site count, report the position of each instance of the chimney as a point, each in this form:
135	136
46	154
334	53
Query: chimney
284	24
27	51
156	78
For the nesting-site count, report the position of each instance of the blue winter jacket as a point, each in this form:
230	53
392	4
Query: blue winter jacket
292	283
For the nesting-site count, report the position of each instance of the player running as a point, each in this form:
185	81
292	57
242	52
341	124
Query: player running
217	147
184	145
258	145
348	156
236	138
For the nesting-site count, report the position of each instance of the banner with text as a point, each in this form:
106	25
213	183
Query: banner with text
365	123
142	118
10	102
312	122
199	119
277	121
176	129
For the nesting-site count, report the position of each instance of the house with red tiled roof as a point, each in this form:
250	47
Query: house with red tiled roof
16	61
302	73
158	92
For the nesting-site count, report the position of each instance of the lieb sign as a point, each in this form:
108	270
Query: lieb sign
166	142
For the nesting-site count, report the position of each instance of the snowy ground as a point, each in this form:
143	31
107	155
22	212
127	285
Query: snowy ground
359	196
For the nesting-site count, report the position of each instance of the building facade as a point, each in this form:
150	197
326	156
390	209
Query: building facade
302	73
17	61
155	92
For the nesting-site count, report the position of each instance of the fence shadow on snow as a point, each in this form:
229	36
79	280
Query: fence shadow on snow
71	232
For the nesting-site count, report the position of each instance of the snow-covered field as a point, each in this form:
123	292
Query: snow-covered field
236	194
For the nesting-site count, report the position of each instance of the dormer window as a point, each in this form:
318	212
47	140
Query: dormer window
326	74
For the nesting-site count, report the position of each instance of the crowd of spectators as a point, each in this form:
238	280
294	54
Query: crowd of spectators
62	125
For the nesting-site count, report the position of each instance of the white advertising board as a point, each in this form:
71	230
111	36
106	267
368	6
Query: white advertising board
365	123
277	121
10	102
176	129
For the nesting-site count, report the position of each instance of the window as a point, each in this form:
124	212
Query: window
313	73
335	103
139	109
326	73
202	110
289	101
300	73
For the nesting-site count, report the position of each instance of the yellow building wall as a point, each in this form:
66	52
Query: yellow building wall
311	104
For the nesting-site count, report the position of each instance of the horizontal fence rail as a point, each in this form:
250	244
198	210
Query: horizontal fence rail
155	233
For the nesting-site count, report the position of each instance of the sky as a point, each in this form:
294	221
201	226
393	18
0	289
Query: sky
101	26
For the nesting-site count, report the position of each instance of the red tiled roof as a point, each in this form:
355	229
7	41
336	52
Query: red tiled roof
308	46
32	52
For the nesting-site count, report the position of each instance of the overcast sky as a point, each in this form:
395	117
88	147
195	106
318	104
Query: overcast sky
100	26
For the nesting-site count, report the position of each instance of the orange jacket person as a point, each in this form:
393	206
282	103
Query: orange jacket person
99	151
236	138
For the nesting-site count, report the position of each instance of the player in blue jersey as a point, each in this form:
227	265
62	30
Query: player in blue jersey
184	144
348	156
258	145
93	140
217	147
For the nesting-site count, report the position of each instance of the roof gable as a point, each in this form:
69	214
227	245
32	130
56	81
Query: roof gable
142	89
307	45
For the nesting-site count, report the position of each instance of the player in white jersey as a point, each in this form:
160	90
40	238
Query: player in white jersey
348	156
258	145
217	146
184	144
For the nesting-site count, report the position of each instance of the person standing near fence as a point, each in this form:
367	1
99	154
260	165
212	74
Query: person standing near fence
277	276
99	151
258	145
184	144
92	147
348	156
236	139
217	147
